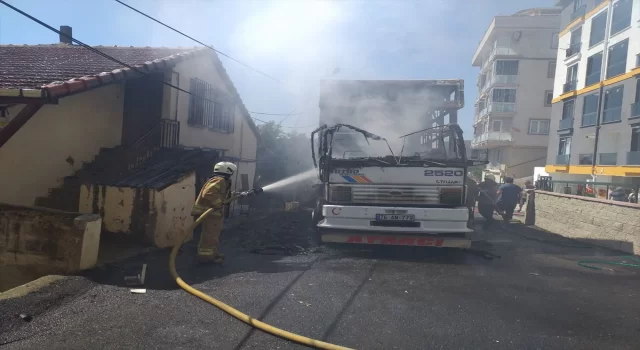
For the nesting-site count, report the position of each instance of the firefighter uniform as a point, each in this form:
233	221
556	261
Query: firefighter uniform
214	191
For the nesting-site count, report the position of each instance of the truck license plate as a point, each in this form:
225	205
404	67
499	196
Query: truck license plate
395	217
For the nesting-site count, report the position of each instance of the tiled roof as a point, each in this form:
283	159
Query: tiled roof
58	70
39	66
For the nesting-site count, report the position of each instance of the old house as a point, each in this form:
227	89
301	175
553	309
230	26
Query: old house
81	133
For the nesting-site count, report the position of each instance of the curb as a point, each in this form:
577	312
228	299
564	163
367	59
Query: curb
30	287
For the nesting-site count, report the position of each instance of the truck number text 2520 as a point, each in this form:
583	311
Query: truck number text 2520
443	173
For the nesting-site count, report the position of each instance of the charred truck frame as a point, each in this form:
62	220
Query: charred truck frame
417	199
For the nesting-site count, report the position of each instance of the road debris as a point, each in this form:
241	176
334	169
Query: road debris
26	318
138	291
138	279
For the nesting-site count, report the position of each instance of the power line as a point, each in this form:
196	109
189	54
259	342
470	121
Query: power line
96	51
276	114
198	41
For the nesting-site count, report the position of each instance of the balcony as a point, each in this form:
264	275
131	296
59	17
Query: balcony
502	107
579	12
492	139
562	159
566	124
633	158
481	114
569	86
635	110
607	158
573	49
498	51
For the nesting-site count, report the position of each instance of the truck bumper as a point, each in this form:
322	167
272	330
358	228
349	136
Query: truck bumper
427	220
433	227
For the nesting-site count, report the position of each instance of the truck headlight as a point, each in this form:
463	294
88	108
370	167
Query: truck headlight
451	196
340	194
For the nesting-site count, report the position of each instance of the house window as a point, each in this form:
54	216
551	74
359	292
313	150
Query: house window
594	65
612	104
567	109
598	28
617	61
590	109
577	4
621	16
496	125
554	40
575	42
504	95
507	67
209	107
539	126
551	70
548	98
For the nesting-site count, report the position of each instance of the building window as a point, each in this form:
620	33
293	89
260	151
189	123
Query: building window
594	66
539	126
572	78
590	109
635	140
496	125
612	104
209	107
567	109
621	16
551	70
504	67
617	61
564	151
598	28
504	95
554	40
575	42
585	159
548	98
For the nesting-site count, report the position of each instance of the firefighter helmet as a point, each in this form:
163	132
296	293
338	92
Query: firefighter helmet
490	177
226	168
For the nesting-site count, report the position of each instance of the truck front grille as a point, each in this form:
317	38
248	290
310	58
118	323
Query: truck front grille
392	195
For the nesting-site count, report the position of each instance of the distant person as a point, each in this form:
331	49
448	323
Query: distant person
633	197
509	196
528	187
487	193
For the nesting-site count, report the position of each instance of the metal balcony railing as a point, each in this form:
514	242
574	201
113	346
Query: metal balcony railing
578	13
566	124
569	86
573	49
607	158
635	110
633	158
502	107
562	159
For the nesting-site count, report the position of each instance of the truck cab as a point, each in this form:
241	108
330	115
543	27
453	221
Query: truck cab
368	198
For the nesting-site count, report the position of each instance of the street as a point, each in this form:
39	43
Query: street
518	288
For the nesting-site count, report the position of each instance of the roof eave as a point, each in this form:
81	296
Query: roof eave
485	38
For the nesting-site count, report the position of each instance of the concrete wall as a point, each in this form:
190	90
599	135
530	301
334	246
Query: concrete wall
173	211
156	217
35	158
62	242
611	224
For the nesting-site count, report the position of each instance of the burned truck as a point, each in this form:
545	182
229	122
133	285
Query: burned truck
404	189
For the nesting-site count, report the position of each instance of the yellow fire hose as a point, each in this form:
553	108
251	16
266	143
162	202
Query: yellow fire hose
230	310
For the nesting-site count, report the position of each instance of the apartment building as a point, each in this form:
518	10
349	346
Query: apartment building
595	126
517	61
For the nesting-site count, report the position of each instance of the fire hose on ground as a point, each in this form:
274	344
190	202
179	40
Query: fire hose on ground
228	309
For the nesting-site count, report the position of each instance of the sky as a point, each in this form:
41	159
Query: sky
298	42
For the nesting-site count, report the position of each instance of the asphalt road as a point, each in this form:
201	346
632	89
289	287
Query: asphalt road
517	289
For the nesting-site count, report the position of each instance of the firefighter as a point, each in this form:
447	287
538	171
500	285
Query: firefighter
214	191
488	191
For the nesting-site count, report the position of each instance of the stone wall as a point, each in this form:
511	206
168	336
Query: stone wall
606	223
37	237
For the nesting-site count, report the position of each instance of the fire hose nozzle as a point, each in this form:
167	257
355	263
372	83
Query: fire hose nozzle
252	192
